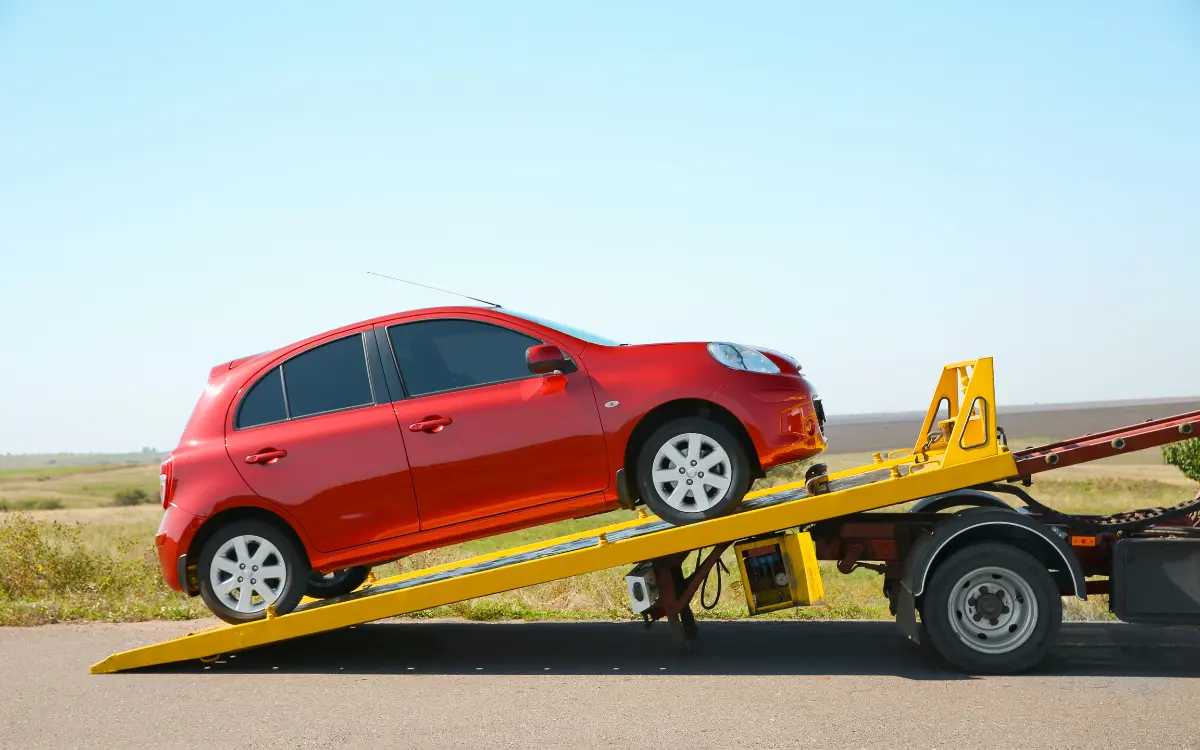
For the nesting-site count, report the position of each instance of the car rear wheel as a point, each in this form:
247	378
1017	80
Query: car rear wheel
336	582
692	469
249	565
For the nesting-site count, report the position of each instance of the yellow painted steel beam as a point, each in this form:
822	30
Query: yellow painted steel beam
907	478
624	552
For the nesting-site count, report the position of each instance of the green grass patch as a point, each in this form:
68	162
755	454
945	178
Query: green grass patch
33	503
50	472
132	496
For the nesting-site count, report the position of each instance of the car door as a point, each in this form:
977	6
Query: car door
316	434
484	435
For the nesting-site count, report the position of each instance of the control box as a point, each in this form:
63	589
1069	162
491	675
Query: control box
779	571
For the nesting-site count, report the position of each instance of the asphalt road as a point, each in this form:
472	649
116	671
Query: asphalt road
456	684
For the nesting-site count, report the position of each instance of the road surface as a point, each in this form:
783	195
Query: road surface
544	685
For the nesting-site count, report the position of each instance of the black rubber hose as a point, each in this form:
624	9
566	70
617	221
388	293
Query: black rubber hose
719	566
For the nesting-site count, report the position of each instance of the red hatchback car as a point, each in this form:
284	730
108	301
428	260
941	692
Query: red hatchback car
301	468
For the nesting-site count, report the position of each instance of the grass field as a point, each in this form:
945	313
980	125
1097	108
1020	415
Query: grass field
93	559
86	486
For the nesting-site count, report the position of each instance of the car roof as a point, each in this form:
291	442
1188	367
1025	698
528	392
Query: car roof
419	312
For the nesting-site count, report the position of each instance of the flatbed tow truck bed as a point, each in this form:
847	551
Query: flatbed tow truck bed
959	460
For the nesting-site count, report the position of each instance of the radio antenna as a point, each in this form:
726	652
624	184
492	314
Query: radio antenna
434	288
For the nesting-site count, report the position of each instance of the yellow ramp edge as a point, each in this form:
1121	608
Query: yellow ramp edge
565	565
951	465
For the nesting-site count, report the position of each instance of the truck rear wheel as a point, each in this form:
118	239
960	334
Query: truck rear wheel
992	608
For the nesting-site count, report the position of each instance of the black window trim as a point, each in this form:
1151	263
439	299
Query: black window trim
387	360
287	407
385	328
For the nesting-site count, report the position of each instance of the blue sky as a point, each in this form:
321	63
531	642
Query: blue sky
875	188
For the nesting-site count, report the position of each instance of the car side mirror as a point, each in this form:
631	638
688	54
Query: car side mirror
544	359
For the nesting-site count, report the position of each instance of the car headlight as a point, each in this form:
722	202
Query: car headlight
742	358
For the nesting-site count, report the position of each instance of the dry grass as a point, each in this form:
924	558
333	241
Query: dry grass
94	561
49	572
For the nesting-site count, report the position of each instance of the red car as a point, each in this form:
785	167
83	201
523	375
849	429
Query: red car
302	467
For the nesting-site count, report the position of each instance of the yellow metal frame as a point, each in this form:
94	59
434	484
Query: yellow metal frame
931	469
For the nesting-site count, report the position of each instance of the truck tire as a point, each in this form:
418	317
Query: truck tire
991	608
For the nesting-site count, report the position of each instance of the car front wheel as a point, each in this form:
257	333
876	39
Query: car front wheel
692	469
249	565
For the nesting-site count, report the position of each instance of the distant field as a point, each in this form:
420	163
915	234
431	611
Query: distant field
872	432
50	460
84	486
93	559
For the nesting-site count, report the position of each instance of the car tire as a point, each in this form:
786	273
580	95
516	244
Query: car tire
710	484
336	583
232	566
991	608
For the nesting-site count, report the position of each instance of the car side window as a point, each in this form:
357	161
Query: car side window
330	377
327	378
446	355
263	403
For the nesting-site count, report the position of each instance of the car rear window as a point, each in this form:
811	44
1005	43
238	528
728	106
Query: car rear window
328	378
263	403
445	355
331	377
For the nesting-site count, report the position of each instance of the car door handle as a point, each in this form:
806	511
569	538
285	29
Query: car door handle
430	424
265	457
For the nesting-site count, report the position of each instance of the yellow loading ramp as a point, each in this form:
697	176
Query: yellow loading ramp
969	455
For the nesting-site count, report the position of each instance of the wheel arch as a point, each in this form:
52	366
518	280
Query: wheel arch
223	518
958	498
685	407
989	524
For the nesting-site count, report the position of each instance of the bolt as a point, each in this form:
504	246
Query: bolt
693	463
1006	610
700	473
242	566
971	602
682	470
252	581
256	567
689	481
999	593
239	579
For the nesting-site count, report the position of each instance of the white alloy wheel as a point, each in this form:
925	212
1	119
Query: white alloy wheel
248	573
692	472
993	610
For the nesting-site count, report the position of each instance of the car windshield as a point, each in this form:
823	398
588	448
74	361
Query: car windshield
578	333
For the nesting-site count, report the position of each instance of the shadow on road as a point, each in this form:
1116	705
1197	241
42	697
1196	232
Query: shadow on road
724	648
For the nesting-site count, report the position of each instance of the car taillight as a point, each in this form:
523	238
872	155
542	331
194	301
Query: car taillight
165	482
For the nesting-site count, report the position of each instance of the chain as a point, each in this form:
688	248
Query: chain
1128	521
